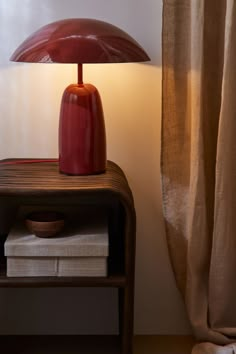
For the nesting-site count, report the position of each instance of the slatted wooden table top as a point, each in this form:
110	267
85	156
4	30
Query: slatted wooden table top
16	179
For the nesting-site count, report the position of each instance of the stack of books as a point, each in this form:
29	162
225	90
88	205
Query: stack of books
78	251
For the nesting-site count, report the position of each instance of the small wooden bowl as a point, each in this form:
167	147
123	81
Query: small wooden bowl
45	223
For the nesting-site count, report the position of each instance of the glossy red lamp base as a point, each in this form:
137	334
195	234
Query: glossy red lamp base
82	138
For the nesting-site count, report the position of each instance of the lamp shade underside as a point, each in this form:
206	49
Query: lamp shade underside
79	41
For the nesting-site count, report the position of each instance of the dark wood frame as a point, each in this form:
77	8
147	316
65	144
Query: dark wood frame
41	183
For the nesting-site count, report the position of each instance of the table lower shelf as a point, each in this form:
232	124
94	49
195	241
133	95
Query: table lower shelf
60	344
117	281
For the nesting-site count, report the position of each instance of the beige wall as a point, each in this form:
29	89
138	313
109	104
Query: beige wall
29	103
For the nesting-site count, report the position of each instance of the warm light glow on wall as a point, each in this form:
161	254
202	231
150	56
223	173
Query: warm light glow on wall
132	112
123	89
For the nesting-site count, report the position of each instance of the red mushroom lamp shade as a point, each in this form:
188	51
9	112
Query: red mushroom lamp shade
82	138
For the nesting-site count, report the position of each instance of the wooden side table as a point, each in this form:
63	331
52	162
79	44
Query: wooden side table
42	184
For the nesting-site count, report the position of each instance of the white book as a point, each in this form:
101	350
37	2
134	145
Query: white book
56	266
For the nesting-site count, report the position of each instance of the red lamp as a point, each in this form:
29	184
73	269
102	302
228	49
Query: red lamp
82	139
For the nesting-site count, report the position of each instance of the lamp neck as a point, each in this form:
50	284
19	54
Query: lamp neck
80	73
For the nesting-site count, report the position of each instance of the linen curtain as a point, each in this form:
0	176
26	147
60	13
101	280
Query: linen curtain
198	163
